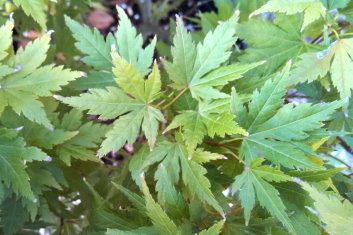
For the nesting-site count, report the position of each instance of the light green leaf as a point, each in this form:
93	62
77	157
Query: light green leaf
252	183
214	230
279	42
12	153
264	104
291	123
126	129
159	218
194	178
92	44
313	9
184	54
337	215
5	38
108	103
34	8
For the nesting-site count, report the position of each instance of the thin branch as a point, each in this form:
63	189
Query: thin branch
340	160
176	98
344	144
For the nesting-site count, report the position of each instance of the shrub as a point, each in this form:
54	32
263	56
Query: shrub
237	127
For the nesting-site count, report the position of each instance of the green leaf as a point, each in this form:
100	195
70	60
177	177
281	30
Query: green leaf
264	104
312	9
314	65
211	118
34	8
332	4
137	200
192	64
315	175
215	48
214	230
92	44
291	123
6	38
159	218
194	178
13	216
335	214
279	42
138	231
129	44
184	54
167	194
108	103
12	153
278	152
82	145
94	80
126	129
252	181
113	102
22	88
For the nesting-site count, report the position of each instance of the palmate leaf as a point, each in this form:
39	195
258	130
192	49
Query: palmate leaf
6	39
193	174
296	200
34	8
214	230
98	51
314	65
253	182
313	9
113	102
211	118
279	42
271	130
83	143
337	215
23	86
159	218
167	194
12	154
139	231
33	133
196	67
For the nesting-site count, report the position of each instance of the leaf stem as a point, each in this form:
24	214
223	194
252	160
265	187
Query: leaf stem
335	32
176	98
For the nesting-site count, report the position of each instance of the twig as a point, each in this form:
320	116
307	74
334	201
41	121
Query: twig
345	145
341	161
176	98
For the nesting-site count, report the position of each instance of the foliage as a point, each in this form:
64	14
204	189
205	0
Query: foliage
238	128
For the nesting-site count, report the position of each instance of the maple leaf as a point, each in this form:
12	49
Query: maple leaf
113	102
83	143
279	42
318	64
253	181
6	39
271	128
21	88
313	9
335	214
159	218
196	67
98	51
215	229
211	118
170	154
12	153
34	8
